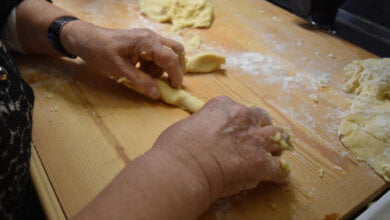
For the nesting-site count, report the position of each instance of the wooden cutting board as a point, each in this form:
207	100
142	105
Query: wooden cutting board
87	128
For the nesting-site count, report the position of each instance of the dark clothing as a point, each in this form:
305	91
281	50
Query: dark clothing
6	7
16	103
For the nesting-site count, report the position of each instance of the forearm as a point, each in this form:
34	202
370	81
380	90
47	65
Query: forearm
153	186
33	18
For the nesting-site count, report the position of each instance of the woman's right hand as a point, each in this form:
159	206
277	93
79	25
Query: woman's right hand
228	146
222	149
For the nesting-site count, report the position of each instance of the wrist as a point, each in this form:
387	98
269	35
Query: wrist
153	186
54	32
186	187
75	37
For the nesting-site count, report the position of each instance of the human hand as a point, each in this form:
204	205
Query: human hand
116	53
228	146
220	150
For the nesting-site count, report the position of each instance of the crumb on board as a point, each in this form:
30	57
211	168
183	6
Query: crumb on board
321	172
314	97
337	168
54	108
299	43
331	55
324	83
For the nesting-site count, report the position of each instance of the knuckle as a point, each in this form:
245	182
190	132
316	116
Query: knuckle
240	111
145	32
180	47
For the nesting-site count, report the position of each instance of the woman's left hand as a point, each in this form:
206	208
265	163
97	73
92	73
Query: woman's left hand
116	54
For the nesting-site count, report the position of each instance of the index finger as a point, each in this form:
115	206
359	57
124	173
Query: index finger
165	58
178	48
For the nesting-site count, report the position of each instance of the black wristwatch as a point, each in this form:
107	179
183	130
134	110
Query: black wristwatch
54	34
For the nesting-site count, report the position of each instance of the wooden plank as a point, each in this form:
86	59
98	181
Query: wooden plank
48	198
86	127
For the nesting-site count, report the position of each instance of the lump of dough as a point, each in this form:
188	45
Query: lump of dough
366	130
368	136
369	77
181	13
204	62
179	97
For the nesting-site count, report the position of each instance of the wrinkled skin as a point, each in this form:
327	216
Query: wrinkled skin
116	53
223	149
230	145
220	150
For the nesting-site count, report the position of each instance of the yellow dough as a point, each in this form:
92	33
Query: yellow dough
179	97
181	13
193	43
176	97
366	130
204	62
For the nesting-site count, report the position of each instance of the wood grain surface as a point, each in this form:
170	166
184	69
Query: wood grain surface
87	128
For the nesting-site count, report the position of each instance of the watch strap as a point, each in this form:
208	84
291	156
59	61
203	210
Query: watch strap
54	32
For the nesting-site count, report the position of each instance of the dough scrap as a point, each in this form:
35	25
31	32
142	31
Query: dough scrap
366	131
179	97
204	62
286	143
181	13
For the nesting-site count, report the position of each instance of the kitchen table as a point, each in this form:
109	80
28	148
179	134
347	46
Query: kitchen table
87	127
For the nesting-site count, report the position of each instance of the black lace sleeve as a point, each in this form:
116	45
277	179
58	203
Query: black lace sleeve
16	104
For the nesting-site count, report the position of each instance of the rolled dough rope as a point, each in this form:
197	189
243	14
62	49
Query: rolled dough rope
179	97
176	97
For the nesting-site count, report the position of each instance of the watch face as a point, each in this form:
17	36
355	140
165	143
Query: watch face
301	7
